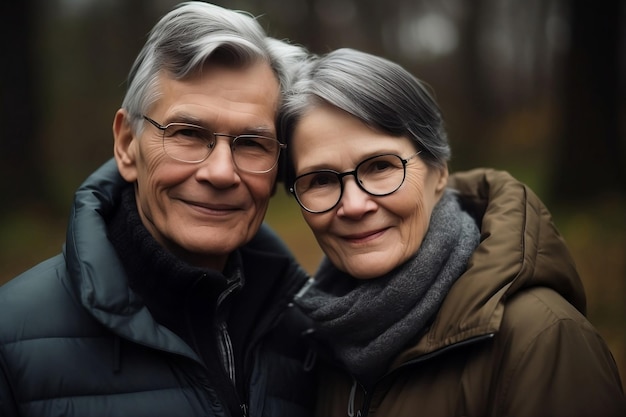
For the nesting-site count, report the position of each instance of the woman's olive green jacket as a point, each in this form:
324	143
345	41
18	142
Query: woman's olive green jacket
511	338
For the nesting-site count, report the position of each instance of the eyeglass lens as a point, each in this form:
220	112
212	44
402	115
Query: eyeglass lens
189	143
320	191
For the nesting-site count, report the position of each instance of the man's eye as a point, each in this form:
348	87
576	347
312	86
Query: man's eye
189	133
250	142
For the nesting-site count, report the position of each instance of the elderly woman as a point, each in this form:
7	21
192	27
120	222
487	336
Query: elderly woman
439	295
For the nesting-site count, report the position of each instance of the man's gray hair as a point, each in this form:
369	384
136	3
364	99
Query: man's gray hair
375	90
192	34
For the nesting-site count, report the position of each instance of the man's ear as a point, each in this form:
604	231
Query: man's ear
125	146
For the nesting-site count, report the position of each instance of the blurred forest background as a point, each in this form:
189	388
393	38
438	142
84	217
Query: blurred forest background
535	87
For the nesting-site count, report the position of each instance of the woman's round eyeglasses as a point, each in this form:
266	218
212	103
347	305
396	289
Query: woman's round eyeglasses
380	175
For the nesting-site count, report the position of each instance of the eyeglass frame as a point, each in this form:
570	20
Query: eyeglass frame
342	175
234	138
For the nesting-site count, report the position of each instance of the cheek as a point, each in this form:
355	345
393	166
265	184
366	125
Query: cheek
149	159
157	175
320	225
414	206
159	169
316	222
151	156
411	198
260	188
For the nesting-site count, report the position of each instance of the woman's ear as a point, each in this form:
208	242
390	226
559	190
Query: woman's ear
442	181
125	146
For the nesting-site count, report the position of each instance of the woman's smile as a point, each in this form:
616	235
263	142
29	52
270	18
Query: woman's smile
364	237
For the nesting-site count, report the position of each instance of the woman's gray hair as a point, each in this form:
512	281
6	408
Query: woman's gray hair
375	90
192	34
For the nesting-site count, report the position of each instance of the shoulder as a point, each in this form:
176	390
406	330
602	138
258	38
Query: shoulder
40	281
548	348
38	303
540	320
538	308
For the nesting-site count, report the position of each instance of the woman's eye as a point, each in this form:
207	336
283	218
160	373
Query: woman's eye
381	165
376	167
321	180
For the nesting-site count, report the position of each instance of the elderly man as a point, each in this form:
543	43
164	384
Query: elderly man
169	296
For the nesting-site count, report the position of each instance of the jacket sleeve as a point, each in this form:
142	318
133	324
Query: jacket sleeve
557	366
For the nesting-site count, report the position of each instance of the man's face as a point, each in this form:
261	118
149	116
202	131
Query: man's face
202	211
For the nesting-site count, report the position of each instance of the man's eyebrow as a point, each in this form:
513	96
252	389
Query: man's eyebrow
261	130
186	118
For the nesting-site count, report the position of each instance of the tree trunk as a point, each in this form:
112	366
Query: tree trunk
591	151
20	154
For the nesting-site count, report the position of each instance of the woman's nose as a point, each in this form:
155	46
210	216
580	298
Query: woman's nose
355	202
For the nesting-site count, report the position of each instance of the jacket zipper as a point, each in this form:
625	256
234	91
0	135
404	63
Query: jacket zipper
352	398
226	352
225	344
367	397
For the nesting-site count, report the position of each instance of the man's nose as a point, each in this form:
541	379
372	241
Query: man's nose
219	168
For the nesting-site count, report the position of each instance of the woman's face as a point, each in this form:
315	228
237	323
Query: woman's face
364	235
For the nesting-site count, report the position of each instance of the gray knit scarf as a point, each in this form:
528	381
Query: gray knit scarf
368	322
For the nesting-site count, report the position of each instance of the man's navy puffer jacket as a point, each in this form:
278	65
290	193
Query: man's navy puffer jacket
76	341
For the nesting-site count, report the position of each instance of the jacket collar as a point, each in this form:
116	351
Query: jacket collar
95	272
520	248
100	281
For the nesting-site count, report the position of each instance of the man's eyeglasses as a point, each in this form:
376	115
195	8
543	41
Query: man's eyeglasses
380	175
193	144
